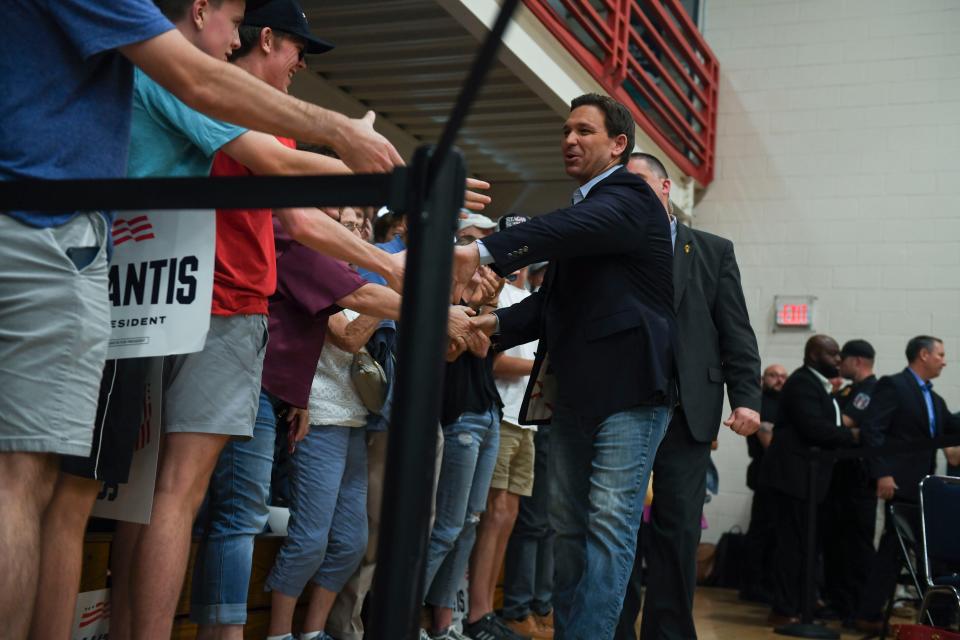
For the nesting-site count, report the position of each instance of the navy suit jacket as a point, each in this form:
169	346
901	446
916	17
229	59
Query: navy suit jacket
898	413
604	316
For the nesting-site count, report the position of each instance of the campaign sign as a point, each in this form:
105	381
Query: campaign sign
132	501
161	282
92	618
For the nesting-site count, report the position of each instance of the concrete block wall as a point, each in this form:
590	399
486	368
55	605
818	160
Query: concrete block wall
838	176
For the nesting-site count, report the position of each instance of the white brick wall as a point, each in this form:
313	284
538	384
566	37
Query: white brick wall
838	175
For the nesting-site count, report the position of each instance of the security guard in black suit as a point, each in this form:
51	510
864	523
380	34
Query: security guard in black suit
848	515
809	417
716	348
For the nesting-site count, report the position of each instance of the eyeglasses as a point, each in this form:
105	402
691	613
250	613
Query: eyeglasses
350	226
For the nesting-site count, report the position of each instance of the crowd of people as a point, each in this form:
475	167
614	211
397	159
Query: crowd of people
836	401
544	449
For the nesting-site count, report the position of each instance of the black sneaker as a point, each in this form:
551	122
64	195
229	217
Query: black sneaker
490	627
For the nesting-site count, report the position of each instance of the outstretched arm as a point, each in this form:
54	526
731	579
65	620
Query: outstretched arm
229	93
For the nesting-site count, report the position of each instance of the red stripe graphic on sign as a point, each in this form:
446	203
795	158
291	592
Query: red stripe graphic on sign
137	229
100	611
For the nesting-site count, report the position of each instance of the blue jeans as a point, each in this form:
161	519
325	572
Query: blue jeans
598	478
235	511
528	573
470	447
327	532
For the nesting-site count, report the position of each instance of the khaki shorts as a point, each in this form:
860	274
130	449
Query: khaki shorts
514	470
217	390
54	329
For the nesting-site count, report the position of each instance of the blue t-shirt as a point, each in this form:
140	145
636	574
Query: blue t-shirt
66	100
168	138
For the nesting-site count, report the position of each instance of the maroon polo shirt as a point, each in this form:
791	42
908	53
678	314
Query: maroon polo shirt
308	287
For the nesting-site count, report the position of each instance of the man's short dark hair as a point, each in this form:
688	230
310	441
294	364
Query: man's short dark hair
174	10
918	344
616	118
653	162
250	39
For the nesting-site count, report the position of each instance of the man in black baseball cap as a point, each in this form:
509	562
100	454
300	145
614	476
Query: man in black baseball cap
285	16
849	511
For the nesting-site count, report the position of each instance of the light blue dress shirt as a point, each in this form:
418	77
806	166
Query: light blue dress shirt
925	387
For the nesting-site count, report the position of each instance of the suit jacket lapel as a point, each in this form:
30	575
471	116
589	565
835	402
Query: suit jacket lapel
683	256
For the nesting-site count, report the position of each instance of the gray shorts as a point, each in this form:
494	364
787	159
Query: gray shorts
217	390
54	328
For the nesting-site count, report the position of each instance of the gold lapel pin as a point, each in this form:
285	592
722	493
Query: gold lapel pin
686	248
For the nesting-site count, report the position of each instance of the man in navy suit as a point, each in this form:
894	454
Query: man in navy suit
603	373
903	409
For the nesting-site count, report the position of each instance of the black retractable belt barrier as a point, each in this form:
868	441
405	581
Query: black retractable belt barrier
257	192
807	628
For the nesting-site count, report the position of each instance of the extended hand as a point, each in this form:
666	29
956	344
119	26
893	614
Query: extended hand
743	421
455	349
886	487
366	151
397	266
473	200
477	343
458	324
484	288
486	324
465	262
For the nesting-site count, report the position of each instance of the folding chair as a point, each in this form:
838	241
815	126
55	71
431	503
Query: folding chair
940	526
901	518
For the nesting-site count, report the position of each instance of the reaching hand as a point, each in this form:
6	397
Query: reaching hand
397	267
476	201
477	343
455	349
458	324
484	288
743	421
886	487
364	150
485	324
466	260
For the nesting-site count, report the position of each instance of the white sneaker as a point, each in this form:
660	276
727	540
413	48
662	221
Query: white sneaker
451	634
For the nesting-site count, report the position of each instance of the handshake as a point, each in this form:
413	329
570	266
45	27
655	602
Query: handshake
470	325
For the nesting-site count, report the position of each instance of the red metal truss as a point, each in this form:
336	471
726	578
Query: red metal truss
649	55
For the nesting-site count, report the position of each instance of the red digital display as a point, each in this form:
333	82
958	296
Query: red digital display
793	315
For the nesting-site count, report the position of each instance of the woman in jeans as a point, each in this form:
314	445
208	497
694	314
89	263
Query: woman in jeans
327	532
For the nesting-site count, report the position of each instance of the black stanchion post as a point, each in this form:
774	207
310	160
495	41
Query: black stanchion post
806	627
810	561
398	585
